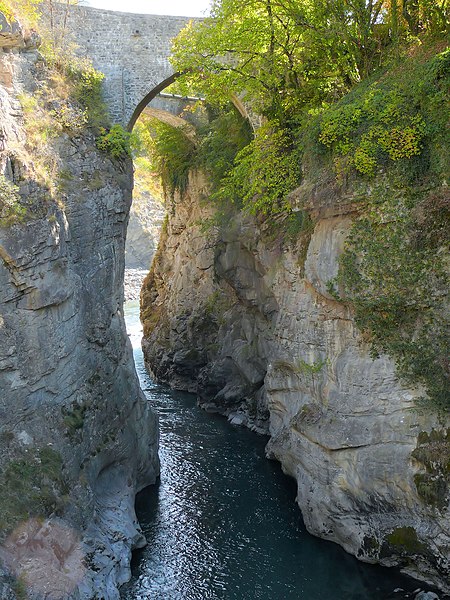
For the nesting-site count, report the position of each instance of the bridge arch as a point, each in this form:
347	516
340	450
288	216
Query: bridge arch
131	50
149	97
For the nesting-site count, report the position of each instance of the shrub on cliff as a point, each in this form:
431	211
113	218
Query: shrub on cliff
116	141
11	209
264	172
394	118
174	155
212	147
394	270
67	98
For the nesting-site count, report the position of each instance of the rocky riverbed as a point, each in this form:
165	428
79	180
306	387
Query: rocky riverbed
133	282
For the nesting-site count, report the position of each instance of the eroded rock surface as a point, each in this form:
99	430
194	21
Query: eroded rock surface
244	318
146	218
77	436
147	214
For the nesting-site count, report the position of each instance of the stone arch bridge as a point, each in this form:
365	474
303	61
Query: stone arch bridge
132	51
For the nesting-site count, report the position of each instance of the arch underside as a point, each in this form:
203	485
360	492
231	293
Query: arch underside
170	119
149	97
175	121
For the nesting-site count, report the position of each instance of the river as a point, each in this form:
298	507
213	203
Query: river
222	523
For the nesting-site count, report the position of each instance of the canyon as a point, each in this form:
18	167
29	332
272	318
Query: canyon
236	309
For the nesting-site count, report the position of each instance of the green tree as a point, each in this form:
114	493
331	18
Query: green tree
280	55
284	56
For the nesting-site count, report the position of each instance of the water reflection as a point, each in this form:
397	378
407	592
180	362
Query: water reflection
222	523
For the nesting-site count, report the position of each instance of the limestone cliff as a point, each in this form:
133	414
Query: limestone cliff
243	317
146	217
77	436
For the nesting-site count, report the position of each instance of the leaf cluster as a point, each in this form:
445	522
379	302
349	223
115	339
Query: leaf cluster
26	11
220	140
366	136
285	57
262	51
5	9
115	141
390	119
172	153
264	172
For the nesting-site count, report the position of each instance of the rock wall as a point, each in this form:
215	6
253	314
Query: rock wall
78	439
241	316
146	218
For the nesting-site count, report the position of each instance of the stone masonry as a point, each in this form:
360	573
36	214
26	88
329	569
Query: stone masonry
131	50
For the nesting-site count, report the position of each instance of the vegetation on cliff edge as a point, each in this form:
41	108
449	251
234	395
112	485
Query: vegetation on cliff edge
353	91
394	270
67	100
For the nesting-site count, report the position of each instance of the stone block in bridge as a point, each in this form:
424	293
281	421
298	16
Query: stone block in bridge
132	51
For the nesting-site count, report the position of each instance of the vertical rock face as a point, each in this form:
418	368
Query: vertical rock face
245	320
77	436
146	218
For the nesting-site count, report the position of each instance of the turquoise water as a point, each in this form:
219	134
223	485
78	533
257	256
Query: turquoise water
223	524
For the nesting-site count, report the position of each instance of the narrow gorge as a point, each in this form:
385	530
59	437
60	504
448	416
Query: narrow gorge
298	288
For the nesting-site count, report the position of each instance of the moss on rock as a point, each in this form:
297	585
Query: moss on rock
33	485
405	540
433	455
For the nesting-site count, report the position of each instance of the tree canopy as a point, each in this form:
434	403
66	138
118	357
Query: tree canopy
284	55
